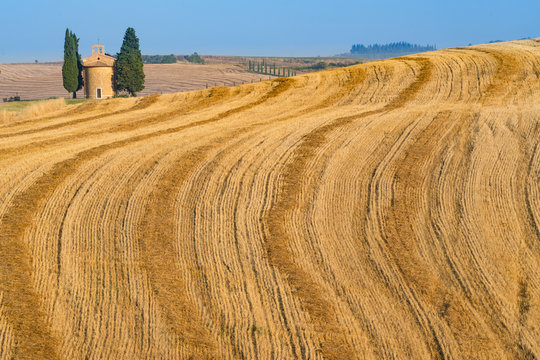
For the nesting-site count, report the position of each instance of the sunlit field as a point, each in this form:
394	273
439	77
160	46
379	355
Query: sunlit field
388	210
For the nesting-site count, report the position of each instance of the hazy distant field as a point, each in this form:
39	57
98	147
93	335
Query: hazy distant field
41	81
389	210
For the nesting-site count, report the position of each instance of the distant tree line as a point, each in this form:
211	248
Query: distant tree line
171	59
159	59
380	51
262	67
194	58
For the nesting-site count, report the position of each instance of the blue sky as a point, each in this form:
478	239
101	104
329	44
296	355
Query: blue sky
34	29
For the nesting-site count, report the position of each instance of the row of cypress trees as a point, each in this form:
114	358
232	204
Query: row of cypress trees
264	68
128	71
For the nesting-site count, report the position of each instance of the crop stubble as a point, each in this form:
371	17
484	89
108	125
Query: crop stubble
386	210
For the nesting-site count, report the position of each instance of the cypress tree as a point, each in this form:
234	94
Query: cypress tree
129	65
72	67
79	64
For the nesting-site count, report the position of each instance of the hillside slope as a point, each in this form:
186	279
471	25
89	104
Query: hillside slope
386	210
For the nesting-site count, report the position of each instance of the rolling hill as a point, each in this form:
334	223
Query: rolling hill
389	210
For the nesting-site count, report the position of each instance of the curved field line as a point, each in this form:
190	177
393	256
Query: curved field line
507	67
355	77
400	236
192	221
156	238
21	302
164	198
140	105
437	348
215	95
157	244
282	85
323	313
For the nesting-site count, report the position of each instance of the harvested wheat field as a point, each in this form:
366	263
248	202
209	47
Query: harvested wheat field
389	210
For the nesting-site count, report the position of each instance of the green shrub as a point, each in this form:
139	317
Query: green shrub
168	59
159	59
194	58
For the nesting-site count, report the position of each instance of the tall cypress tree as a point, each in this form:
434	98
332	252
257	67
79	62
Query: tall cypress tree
79	64
129	65
72	67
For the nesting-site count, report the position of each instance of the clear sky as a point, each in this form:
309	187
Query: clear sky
34	29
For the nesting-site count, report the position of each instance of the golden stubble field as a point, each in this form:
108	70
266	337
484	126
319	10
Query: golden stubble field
389	210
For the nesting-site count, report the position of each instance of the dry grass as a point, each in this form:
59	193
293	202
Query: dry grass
386	210
43	107
6	116
12	112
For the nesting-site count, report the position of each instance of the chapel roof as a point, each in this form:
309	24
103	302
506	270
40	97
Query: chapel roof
98	58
